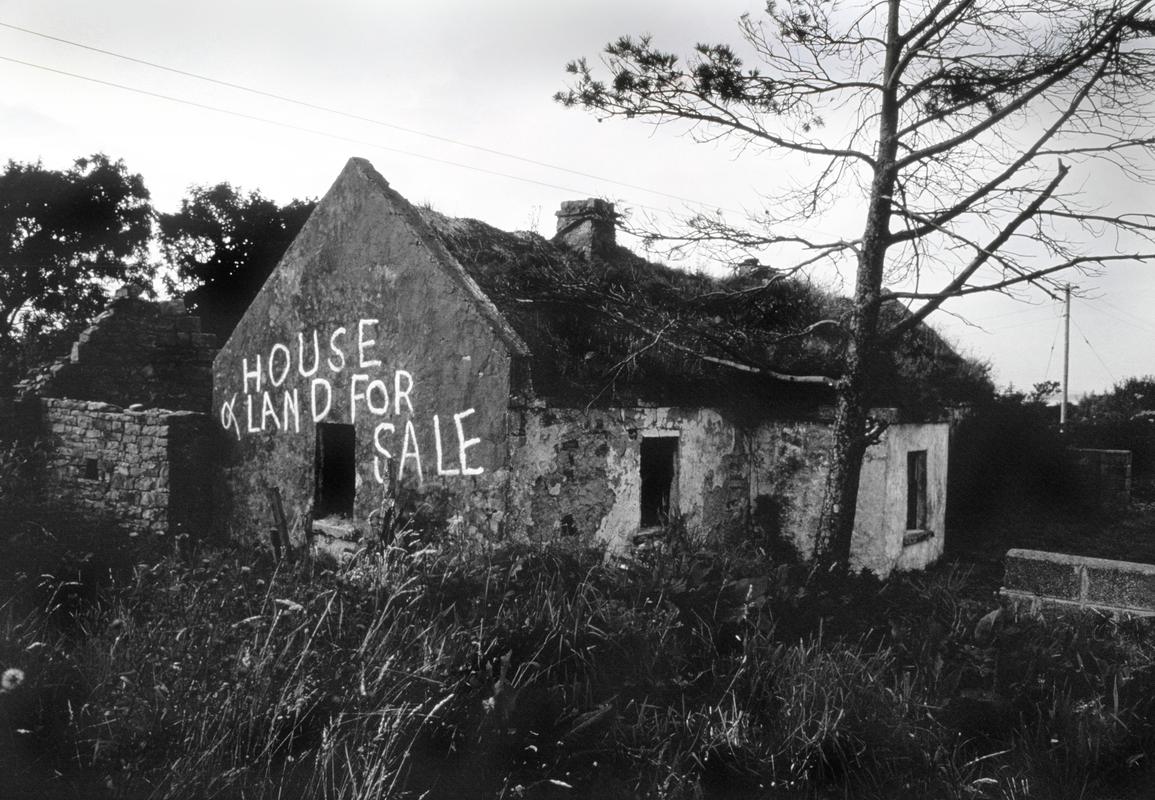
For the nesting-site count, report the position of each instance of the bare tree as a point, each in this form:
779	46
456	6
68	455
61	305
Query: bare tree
954	125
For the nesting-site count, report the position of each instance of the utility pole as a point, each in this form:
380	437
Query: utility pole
1066	356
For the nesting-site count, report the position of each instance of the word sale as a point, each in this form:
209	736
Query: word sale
268	404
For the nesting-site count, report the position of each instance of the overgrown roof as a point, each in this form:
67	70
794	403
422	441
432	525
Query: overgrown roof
619	330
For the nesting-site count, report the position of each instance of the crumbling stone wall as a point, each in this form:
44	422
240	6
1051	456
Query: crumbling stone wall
149	470
135	352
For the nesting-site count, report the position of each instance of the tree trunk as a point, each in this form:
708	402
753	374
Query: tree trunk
836	523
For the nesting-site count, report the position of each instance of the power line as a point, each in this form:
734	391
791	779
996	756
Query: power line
1054	341
1126	317
1018	325
1016	313
314	131
354	116
1096	353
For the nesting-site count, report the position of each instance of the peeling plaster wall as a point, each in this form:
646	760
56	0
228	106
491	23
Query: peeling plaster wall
578	473
790	464
387	305
788	479
880	524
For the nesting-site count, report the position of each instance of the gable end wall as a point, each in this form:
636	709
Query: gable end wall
366	322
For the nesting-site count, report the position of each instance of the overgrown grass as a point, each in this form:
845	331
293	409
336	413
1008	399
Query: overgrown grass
460	671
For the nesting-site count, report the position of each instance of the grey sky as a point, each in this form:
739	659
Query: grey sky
481	73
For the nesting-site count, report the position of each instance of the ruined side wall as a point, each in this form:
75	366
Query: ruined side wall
366	322
135	352
578	473
115	463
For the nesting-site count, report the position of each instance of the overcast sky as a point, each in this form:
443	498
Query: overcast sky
479	74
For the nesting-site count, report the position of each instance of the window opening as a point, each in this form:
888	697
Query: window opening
659	456
91	469
916	490
336	470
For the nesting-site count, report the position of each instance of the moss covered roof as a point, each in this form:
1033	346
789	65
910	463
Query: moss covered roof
620	330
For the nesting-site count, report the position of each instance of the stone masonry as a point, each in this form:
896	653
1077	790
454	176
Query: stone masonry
587	226
121	420
146	469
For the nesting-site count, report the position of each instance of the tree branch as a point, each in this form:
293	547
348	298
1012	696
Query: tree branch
1102	41
1034	275
952	289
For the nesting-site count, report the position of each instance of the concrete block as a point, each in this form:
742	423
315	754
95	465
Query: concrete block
1042	573
1058	579
1120	583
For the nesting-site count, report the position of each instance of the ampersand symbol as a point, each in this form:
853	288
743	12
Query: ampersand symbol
229	416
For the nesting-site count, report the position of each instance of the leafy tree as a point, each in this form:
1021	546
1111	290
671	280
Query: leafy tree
65	237
1122	419
223	244
1130	399
951	126
1044	390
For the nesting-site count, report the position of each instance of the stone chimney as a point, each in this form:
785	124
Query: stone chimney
587	226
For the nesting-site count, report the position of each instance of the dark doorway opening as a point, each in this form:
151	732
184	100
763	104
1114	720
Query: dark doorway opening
916	490
659	456
336	470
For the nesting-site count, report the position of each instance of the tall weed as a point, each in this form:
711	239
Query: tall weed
467	670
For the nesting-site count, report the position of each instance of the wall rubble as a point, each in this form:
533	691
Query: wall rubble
135	352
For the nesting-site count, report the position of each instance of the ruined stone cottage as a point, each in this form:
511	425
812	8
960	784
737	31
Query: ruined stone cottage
399	364
122	420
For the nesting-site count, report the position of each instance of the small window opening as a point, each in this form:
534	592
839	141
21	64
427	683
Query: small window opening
336	470
91	469
916	490
659	455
